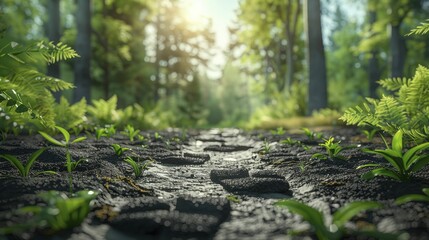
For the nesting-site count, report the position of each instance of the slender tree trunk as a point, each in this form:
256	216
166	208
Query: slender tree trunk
157	54
54	34
373	67
317	89
82	76
106	65
398	50
291	32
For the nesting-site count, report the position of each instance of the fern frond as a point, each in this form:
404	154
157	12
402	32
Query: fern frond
393	84
70	116
391	114
416	97
55	53
422	29
361	115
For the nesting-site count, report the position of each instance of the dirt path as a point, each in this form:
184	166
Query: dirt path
214	184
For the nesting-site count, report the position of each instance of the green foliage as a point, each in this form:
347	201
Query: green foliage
130	132
402	164
24	171
336	229
278	131
408	110
70	116
414	197
138	168
61	212
63	143
333	150
312	135
119	151
72	164
25	92
370	133
422	29
107	131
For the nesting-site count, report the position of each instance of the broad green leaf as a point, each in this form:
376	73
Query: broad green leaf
412	197
397	142
391	156
344	214
426	191
420	163
311	215
368	165
15	162
32	159
408	156
51	139
80	139
10	102
21	109
386	172
65	133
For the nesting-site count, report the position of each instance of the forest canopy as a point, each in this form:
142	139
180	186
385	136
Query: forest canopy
156	62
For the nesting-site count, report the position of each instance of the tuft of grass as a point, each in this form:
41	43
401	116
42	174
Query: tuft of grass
24	171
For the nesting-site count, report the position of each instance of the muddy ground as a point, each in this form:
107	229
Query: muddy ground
213	184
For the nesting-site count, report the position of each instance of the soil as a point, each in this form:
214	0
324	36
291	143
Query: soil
212	184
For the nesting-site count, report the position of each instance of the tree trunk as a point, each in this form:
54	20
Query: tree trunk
373	67
317	89
54	34
106	65
82	76
398	50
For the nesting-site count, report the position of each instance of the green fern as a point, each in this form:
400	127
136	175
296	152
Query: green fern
70	116
407	110
393	84
422	29
25	93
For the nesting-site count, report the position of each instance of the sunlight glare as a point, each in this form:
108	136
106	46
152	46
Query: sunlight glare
195	10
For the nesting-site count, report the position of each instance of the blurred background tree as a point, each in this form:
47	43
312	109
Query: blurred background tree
160	54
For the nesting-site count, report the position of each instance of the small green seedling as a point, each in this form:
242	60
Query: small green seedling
61	211
402	165
333	150
336	228
130	132
312	135
157	136
266	148
24	171
138	168
370	134
119	151
63	143
72	164
278	131
414	197
233	198
290	141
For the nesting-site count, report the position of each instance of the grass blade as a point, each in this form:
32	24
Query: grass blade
65	133
32	159
344	214
51	139
15	162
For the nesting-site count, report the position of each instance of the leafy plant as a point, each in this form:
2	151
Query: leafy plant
72	164
336	228
278	131
333	150
130	132
119	150
290	141
107	131
414	197
423	28
61	212
24	171
138	167
370	133
25	93
312	135
63	143
70	116
402	165
233	198
407	110
266	148
157	136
